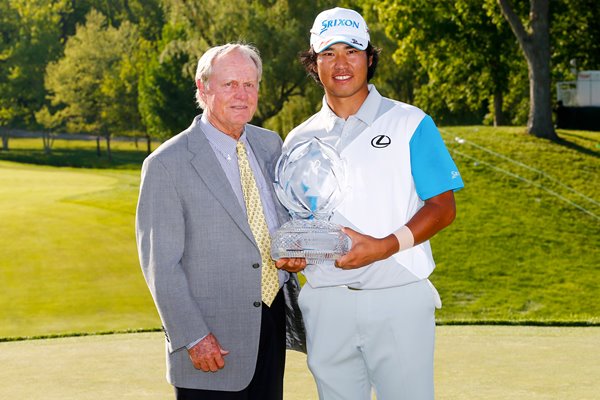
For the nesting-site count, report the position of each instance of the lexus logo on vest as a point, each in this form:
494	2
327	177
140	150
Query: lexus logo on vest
381	141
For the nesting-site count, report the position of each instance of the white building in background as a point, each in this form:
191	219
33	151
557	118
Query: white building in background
578	102
584	92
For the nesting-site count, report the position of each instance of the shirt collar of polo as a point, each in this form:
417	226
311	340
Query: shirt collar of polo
366	113
328	117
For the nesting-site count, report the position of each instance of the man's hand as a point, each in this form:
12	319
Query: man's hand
207	354
366	250
291	264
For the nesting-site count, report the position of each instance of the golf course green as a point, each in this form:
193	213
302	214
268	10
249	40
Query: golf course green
472	362
517	272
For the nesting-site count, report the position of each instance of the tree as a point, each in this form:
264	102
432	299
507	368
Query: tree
93	88
575	35
47	120
147	15
453	55
534	41
166	89
29	38
278	28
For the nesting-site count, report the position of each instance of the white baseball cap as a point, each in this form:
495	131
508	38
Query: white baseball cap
339	25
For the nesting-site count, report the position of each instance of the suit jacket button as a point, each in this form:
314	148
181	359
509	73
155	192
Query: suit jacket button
256	265
257	304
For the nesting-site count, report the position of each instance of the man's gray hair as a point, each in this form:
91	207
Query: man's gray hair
204	69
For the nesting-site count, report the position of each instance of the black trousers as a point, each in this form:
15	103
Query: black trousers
267	382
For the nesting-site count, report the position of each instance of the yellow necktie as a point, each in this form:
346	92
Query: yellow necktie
258	225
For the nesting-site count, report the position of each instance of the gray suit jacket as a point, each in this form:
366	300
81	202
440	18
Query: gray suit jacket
198	255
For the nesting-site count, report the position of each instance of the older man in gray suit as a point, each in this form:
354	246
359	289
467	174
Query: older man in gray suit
205	209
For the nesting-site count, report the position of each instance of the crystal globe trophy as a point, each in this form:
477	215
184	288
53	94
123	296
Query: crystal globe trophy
309	181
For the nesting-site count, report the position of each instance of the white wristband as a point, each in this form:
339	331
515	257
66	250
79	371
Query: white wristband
406	240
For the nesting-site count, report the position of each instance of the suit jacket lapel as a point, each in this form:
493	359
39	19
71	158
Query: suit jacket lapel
207	166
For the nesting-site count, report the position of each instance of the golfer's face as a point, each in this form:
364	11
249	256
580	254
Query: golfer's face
343	71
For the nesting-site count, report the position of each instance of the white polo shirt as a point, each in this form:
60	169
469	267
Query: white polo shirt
395	159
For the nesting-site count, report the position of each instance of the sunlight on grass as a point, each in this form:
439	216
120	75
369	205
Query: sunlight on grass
471	362
516	252
69	258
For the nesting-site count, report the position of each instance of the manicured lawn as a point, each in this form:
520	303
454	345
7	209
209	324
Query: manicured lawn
521	249
69	261
525	247
489	362
77	153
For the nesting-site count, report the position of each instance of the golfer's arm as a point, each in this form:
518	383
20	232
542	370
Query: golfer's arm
437	213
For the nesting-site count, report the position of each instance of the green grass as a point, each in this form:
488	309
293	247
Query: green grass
471	362
69	261
77	153
515	254
516	251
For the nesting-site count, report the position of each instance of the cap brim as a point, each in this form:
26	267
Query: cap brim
318	44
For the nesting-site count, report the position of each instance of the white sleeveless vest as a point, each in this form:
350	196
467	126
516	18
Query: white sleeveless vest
380	198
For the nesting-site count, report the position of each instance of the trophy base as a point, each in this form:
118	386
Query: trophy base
314	240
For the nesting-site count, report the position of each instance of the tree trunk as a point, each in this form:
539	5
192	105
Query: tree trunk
5	141
536	49
98	153
499	117
148	144
108	152
48	141
540	122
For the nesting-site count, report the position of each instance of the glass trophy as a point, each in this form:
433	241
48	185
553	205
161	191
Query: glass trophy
309	181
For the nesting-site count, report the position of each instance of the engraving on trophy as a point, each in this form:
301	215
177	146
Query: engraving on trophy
309	182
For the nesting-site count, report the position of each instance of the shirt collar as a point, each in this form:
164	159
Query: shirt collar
366	113
224	144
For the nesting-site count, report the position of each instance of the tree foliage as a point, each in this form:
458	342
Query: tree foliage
127	66
93	88
461	56
575	35
29	38
278	28
166	88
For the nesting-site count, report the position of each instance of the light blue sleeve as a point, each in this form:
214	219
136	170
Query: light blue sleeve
433	169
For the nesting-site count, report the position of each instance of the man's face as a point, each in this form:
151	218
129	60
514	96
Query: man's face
231	95
343	70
